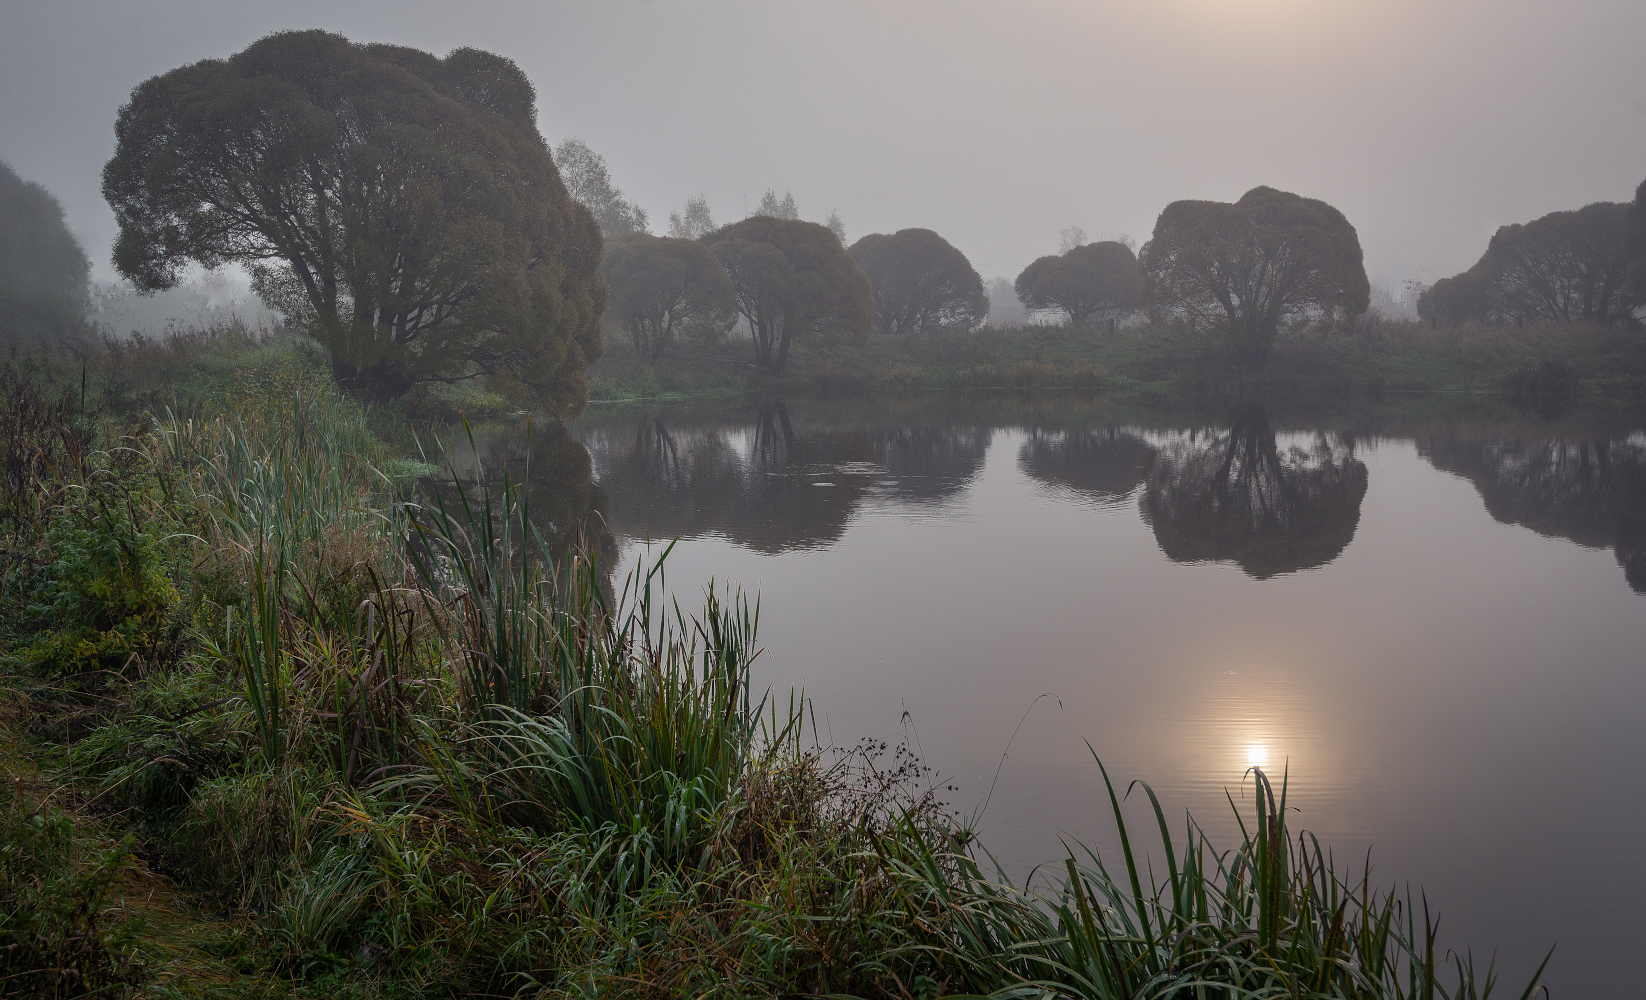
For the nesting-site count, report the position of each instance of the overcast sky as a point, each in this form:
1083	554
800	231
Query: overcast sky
1428	122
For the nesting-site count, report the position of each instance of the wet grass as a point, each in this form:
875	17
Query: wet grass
358	741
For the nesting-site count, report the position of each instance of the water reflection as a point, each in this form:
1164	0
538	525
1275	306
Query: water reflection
953	557
764	483
1588	491
1103	466
568	508
1238	497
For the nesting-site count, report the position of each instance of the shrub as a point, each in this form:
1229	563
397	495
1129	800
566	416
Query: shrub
108	590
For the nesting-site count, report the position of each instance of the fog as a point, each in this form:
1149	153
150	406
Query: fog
998	125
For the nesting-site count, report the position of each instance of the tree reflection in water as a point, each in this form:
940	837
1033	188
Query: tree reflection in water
778	478
1104	466
1592	492
767	484
1237	497
568	508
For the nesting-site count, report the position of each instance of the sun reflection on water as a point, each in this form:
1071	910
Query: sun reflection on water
1257	755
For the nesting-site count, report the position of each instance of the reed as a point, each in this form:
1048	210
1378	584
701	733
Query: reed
1271	918
607	714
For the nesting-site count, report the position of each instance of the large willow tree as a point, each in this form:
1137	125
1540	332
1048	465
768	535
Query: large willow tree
403	208
1247	267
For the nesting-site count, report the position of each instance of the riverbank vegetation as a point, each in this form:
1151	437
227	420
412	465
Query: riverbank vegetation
280	722
1605	362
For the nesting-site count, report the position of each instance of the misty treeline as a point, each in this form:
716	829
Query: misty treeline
1584	265
404	212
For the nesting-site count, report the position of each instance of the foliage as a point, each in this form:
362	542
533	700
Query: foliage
37	251
1087	280
792	279
661	285
404	208
1453	301
693	222
108	590
43	270
921	282
1634	248
56	878
590	185
1143	359
1565	267
1246	267
774	208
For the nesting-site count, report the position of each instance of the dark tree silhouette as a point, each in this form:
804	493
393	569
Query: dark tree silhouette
1099	279
1566	266
1454	301
1237	497
921	282
403	207
1245	268
660	285
1634	250
1104	466
43	270
792	279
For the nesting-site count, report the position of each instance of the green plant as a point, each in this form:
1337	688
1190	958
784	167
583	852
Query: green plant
591	713
107	591
1271	918
57	938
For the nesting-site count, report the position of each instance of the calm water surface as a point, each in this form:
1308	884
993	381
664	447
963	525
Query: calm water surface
1432	615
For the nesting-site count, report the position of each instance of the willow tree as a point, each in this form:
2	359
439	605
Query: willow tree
791	280
43	271
1454	301
661	285
1100	279
402	207
1564	267
921	282
1249	266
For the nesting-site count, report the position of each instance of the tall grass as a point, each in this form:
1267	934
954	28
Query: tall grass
1271	918
602	712
294	469
257	647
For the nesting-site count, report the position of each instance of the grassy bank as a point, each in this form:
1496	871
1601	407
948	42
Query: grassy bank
275	724
1374	357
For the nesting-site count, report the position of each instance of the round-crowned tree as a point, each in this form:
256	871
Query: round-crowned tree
921	282
1093	279
792	279
42	268
1564	267
1247	267
1455	300
401	207
660	285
